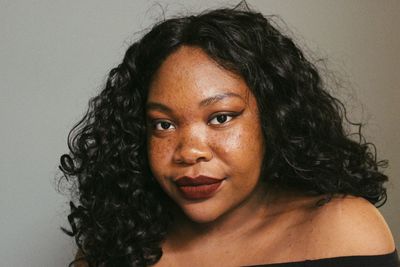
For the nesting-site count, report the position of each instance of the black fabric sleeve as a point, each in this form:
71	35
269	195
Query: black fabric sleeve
385	260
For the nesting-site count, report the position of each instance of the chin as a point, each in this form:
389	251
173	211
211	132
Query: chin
200	214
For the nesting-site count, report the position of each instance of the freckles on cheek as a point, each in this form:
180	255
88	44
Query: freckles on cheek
229	143
238	146
158	152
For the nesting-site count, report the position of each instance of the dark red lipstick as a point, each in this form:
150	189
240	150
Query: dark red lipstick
199	187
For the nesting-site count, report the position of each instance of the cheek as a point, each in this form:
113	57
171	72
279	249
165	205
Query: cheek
159	152
230	144
242	151
241	143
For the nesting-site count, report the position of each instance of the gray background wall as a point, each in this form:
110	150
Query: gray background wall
54	55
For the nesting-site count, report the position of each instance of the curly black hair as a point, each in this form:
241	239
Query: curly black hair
122	215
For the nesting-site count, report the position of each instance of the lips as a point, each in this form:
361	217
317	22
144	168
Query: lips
200	187
199	180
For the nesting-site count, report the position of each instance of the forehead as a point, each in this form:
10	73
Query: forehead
190	74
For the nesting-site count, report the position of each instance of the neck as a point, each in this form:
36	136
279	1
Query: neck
235	223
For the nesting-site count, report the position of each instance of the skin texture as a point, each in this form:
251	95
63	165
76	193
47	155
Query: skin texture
194	137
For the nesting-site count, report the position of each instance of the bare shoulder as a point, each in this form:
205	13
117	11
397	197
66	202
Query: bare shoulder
349	226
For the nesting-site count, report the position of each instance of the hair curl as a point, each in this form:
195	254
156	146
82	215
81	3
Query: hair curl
122	214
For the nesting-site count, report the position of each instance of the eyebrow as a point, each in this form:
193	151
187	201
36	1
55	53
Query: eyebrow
213	99
205	102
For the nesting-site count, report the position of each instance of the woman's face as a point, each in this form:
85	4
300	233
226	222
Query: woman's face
203	121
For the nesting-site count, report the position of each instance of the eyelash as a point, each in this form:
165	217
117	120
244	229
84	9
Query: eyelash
231	115
154	125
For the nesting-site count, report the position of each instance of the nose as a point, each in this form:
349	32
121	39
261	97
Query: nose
192	147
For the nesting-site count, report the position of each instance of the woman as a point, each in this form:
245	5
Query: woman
214	143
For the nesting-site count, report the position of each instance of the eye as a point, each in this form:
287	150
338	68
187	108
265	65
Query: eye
221	118
163	125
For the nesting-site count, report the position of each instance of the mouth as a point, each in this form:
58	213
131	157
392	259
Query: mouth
200	187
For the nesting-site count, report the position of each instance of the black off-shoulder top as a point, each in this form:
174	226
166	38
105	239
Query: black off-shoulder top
385	260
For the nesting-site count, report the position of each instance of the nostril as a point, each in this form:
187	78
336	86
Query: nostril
193	155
